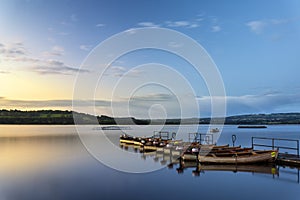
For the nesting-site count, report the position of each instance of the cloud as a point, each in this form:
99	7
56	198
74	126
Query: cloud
55	67
85	47
140	105
100	25
121	71
65	103
215	28
13	50
55	51
148	24
4	72
268	102
184	24
16	57
256	26
156	97
130	31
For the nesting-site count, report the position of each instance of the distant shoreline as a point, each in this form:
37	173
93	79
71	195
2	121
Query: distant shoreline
57	117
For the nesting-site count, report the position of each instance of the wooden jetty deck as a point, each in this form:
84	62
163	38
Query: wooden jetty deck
288	160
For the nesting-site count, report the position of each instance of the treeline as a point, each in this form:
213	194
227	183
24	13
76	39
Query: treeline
62	117
67	117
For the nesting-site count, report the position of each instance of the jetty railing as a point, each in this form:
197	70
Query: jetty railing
164	135
201	138
274	143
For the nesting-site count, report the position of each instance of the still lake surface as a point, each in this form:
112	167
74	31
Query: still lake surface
50	162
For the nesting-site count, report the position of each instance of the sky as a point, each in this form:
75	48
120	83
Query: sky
44	46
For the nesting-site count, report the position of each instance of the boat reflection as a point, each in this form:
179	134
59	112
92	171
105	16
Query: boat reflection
199	168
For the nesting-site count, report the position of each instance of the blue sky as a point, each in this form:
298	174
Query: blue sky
255	45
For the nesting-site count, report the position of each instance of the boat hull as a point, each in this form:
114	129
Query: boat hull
267	156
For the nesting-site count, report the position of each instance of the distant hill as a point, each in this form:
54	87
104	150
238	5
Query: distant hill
60	117
66	117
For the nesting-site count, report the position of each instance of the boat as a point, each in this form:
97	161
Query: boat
149	143
228	155
128	139
235	157
214	130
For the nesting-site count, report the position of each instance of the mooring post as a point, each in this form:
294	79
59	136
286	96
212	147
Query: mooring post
197	158
252	142
272	143
233	138
298	148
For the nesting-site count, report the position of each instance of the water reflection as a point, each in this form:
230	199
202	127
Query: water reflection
24	155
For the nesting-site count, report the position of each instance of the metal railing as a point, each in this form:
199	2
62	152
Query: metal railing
201	138
165	135
274	144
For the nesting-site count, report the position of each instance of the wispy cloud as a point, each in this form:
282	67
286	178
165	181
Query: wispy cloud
55	67
148	24
85	47
184	24
58	103
4	72
256	26
17	58
215	28
120	71
141	104
130	31
13	50
55	51
264	103
156	97
100	25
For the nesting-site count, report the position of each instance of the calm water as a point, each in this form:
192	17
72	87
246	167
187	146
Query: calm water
50	162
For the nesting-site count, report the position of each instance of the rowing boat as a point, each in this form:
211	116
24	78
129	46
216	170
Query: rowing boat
247	158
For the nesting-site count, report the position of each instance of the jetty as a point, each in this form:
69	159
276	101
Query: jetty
170	159
288	149
201	148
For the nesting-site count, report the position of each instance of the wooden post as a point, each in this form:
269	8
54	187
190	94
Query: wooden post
298	148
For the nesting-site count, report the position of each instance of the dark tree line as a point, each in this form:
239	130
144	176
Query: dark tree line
67	117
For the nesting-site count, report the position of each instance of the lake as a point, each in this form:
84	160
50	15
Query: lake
51	162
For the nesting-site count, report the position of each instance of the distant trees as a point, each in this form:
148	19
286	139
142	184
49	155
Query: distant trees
66	117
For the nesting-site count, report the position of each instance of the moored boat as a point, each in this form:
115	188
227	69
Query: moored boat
248	157
214	130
